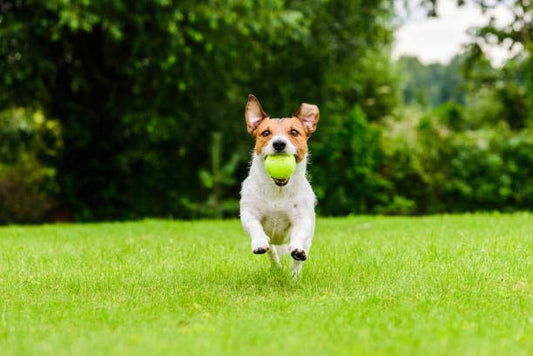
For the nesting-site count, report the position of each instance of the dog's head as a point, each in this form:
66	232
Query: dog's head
281	135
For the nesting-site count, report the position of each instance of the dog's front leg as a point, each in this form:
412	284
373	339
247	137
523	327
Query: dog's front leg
303	227
252	225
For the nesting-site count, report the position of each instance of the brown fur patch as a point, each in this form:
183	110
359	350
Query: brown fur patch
282	127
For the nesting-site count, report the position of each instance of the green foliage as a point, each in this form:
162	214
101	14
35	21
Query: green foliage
516	33
27	132
498	95
29	143
216	181
468	153
138	87
484	109
491	170
431	85
452	115
27	190
445	170
346	180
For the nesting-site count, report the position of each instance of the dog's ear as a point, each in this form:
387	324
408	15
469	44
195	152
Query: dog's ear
254	114
309	115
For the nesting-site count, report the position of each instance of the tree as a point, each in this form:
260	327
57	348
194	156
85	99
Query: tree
431	85
516	34
138	86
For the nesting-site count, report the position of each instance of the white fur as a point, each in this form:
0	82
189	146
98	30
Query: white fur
275	216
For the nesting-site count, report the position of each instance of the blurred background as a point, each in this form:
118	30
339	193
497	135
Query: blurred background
114	110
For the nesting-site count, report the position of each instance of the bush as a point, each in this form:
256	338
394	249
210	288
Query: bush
26	192
28	186
442	170
346	178
138	86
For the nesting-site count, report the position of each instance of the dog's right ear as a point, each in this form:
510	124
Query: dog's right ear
254	114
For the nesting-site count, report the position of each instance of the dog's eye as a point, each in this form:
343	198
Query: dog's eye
294	132
265	133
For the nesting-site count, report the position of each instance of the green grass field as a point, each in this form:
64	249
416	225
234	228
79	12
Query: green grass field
373	285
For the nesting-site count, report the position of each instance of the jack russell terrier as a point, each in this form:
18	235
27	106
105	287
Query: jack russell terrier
279	212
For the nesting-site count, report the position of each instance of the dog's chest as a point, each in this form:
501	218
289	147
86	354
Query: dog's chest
276	224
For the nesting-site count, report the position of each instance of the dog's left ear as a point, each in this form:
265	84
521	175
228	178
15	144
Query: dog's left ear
309	115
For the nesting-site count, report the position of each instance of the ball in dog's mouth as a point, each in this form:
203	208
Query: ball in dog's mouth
280	167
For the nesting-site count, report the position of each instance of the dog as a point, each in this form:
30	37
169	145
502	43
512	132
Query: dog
279	214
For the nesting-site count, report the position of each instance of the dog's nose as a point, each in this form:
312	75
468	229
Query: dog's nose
279	145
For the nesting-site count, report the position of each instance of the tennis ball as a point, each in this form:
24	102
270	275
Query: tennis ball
280	166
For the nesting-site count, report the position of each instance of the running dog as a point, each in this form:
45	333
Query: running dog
279	214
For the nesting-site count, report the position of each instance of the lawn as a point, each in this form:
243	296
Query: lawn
373	285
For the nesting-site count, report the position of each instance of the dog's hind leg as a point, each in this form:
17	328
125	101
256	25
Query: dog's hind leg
274	257
296	269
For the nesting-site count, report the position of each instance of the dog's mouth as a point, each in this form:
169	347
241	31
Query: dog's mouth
281	182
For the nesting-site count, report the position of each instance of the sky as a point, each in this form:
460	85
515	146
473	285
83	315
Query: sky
439	39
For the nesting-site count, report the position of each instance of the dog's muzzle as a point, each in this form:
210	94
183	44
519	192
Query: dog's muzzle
281	182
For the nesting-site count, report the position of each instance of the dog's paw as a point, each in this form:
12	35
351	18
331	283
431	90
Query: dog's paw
260	247
261	250
298	254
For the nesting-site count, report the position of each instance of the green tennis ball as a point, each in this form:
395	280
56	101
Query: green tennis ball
280	166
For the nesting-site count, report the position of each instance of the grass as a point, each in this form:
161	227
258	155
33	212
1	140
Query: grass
373	285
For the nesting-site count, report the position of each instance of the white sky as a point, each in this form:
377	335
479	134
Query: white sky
439	39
